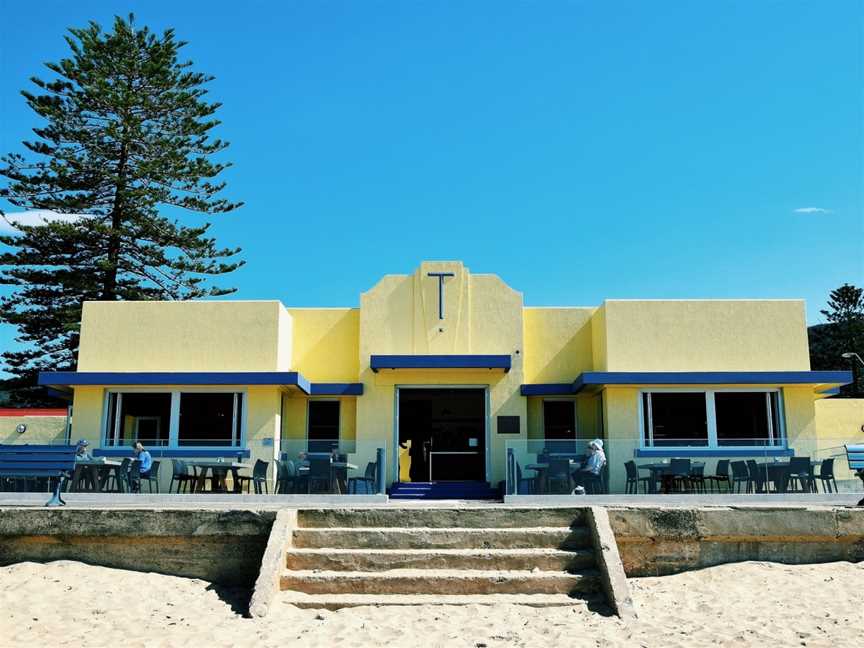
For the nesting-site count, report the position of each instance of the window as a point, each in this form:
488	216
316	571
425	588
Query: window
174	418
209	419
323	427
675	418
711	418
559	419
143	417
746	418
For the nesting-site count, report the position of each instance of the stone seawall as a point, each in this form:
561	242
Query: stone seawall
223	547
657	541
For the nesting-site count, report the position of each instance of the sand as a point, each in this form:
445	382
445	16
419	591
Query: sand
747	604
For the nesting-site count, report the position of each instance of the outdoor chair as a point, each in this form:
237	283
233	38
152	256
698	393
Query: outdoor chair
180	475
696	479
524	485
721	476
153	478
133	477
368	479
677	476
740	475
826	476
257	479
801	475
758	477
120	479
633	479
559	473
320	474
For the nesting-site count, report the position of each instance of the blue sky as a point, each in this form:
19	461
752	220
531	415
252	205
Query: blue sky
580	150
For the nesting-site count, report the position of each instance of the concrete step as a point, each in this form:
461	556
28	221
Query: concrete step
440	581
384	559
443	538
474	517
338	601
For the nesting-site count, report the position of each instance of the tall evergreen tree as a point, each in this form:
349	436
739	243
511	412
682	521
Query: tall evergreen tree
843	333
125	145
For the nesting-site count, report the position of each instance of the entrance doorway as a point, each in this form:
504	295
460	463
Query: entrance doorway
442	434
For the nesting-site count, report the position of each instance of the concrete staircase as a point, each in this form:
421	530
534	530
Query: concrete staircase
404	556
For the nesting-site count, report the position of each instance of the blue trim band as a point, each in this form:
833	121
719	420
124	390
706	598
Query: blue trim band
336	389
378	362
177	453
549	389
55	379
598	378
756	451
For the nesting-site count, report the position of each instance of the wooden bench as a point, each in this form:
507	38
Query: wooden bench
38	461
855	457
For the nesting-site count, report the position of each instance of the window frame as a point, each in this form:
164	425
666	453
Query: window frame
110	441
775	443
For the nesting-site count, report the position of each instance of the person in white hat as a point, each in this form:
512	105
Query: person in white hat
589	472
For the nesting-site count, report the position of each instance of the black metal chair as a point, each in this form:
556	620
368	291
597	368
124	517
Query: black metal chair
133	477
258	479
740	475
801	475
758	477
368	479
677	476
152	478
633	479
320	473
180	476
559	473
826	476
696	479
524	485
720	476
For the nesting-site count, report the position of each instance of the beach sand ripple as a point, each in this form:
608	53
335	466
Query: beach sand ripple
748	604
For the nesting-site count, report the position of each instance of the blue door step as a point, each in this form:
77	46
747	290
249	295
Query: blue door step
470	490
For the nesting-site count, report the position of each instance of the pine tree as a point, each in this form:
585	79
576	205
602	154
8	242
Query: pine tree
843	333
125	145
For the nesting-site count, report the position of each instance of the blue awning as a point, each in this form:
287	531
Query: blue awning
821	380
502	362
66	379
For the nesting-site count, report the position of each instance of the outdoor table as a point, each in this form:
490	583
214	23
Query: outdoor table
340	487
659	469
540	468
218	469
95	473
778	473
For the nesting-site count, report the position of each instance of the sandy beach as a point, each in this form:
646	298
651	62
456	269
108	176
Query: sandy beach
748	604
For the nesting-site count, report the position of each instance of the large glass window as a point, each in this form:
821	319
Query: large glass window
675	418
209	419
323	432
559	419
144	417
746	418
174	418
712	418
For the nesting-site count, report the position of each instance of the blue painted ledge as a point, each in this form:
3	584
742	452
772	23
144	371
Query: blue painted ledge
755	451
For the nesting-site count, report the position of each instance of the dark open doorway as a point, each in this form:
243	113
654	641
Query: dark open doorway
445	429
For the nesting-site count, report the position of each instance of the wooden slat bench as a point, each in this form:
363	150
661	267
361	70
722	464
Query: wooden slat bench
855	457
39	461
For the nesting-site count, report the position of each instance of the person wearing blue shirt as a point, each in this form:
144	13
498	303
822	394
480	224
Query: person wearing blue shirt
144	457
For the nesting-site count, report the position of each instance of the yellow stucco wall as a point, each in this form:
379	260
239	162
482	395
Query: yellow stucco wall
722	335
40	430
326	343
185	336
839	421
558	343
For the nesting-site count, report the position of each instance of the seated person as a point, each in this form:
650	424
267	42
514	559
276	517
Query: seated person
589	472
81	453
146	463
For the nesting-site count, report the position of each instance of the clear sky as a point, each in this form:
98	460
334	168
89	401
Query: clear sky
581	150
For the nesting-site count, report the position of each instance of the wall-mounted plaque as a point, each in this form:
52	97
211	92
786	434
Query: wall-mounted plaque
508	425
